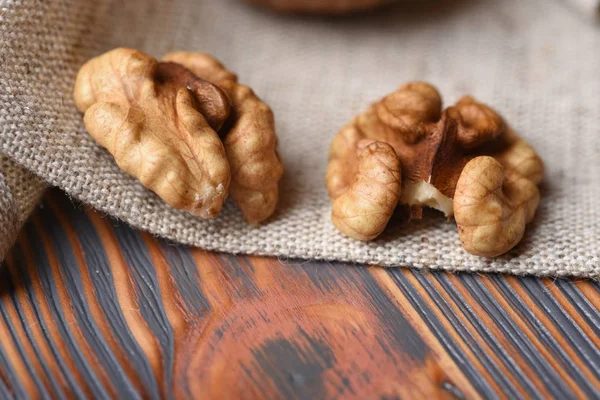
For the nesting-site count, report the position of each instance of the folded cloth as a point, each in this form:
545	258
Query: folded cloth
20	192
532	61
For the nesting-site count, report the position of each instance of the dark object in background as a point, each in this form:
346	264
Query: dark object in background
320	6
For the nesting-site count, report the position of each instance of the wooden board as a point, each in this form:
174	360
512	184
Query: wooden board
91	308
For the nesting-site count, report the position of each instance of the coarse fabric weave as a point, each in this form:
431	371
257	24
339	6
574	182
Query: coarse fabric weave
534	61
8	217
20	192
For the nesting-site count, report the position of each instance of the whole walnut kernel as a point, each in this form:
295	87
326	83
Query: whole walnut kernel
434	148
164	125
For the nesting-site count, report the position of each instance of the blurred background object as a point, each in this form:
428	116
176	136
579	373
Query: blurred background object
320	6
589	7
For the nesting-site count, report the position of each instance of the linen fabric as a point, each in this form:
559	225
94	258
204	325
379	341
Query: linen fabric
535	62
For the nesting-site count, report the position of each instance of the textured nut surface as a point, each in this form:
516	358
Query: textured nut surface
517	156
411	121
433	147
397	120
250	141
478	123
319	6
492	206
363	209
158	121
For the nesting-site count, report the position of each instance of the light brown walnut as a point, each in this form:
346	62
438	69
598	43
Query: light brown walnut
320	6
181	135
149	118
363	208
492	206
433	147
250	143
411	121
497	196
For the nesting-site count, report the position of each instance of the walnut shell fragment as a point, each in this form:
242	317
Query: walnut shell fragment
164	124
433	147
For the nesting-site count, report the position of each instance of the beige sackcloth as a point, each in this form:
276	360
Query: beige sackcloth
535	61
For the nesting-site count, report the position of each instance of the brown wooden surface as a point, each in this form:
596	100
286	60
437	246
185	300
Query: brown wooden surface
91	308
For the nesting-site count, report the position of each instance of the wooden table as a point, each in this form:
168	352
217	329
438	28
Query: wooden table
94	309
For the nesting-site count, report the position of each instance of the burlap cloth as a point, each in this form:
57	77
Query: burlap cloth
535	61
20	192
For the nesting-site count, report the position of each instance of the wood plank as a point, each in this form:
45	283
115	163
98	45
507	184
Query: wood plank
92	308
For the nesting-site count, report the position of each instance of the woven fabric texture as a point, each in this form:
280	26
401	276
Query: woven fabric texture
20	192
8	217
534	61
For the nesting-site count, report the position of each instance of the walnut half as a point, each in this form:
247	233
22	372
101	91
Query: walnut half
164	123
440	159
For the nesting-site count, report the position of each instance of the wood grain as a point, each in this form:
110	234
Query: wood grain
91	308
